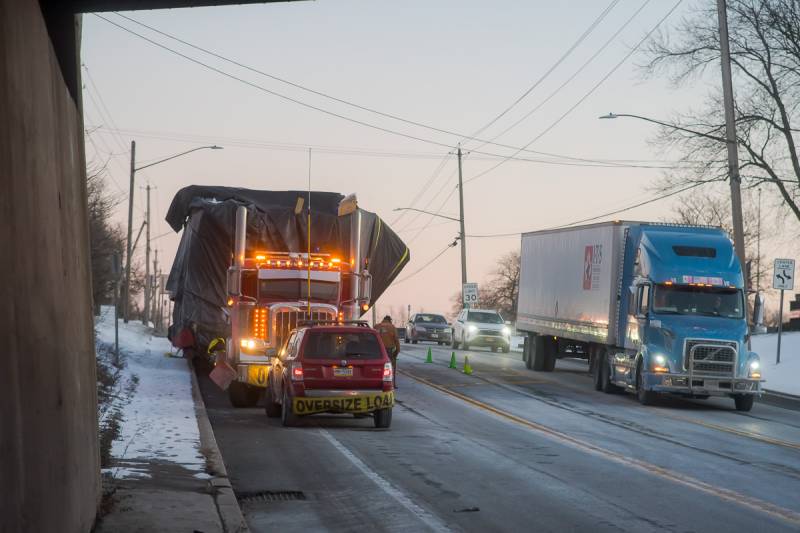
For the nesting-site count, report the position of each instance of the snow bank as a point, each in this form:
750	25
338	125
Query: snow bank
784	377
159	422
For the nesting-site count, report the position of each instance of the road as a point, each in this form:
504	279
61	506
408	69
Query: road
509	449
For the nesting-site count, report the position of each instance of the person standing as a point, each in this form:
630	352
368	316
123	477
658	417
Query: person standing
390	340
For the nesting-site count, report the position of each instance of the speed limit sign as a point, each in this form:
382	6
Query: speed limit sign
470	294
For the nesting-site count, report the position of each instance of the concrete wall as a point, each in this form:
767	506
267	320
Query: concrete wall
48	422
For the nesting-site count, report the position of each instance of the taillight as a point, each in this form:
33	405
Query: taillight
388	373
297	372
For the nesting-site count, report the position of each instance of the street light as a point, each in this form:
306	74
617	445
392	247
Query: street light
134	169
426	212
736	205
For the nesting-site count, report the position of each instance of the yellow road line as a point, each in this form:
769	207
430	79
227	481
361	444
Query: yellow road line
722	493
740	432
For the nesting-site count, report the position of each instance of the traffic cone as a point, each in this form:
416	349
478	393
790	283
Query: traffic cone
453	361
429	359
467	367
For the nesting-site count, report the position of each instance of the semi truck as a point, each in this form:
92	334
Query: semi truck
656	308
253	265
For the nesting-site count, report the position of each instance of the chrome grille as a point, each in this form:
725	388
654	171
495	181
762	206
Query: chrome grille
711	358
490	332
285	320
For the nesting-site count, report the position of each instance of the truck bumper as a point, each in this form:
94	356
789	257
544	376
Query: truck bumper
684	384
255	373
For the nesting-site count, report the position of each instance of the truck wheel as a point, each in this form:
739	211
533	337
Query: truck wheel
594	363
744	402
243	395
494	349
527	351
383	418
272	408
288	417
551	354
605	373
644	396
537	353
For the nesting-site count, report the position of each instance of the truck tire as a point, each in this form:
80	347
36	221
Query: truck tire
537	353
605	373
243	395
594	366
383	418
527	348
550	354
288	418
506	349
644	396
271	407
744	402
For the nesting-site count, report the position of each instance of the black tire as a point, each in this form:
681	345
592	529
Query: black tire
605	374
243	395
288	418
645	397
595	360
527	351
271	407
494	349
551	352
414	341
440	343
744	402
383	418
506	349
537	353
405	339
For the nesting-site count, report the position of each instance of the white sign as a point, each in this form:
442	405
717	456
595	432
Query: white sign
469	293
783	274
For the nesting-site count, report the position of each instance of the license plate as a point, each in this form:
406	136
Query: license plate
342	372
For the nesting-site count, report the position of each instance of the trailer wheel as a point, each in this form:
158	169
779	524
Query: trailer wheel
272	408
527	350
744	402
537	353
594	366
243	395
644	396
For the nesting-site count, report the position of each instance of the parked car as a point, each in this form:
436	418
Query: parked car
332	369
481	327
428	327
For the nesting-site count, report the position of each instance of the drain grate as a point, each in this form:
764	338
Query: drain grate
266	496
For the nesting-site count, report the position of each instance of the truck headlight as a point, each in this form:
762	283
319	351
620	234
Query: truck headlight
252	345
660	364
754	369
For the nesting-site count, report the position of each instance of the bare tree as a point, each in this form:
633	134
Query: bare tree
500	292
765	55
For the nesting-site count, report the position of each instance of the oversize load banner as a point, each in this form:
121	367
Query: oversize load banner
361	404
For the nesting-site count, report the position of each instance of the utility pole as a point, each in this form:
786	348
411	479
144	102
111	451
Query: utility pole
461	221
126	298
154	292
147	280
730	133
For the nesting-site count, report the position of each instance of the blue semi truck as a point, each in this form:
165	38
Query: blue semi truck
656	308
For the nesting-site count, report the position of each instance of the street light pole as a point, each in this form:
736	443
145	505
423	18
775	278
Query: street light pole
126	299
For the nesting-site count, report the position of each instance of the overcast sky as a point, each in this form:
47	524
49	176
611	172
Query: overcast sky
450	64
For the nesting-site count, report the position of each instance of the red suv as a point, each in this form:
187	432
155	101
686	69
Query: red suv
331	368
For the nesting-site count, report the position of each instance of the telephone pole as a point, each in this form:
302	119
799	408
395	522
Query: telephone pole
154	292
461	221
126	297
730	133
147	280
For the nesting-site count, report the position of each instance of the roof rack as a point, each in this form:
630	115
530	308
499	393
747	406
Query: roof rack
312	323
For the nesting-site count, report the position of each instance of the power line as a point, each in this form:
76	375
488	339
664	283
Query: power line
325	111
584	97
572	77
549	71
426	265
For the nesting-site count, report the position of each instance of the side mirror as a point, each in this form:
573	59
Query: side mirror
365	287
233	282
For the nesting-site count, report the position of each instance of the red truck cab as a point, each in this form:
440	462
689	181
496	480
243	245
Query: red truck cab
330	367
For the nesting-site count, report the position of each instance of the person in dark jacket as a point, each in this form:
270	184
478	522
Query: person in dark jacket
390	340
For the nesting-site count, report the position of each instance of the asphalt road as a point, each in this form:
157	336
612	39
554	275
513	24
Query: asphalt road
508	449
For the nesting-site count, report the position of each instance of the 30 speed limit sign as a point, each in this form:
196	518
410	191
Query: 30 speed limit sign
470	294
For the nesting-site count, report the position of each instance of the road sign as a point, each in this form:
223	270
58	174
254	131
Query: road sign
783	274
469	293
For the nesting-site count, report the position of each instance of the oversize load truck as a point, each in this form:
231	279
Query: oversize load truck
243	273
656	308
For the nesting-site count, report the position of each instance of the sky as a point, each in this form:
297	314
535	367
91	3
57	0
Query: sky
454	65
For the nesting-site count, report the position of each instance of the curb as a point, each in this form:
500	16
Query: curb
781	399
227	505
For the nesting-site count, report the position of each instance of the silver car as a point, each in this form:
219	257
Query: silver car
481	327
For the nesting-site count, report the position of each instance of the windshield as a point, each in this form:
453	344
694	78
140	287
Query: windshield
430	319
330	345
709	301
484	318
297	289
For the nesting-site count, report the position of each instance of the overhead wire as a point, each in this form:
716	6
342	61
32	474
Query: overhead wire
583	98
423	267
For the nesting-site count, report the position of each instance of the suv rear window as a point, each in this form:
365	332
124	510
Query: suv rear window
339	345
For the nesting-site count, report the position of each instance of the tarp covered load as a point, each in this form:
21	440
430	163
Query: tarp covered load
276	221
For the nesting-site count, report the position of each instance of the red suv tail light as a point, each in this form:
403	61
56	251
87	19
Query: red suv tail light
297	372
388	373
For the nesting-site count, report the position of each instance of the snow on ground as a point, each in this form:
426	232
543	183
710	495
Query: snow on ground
784	377
159	423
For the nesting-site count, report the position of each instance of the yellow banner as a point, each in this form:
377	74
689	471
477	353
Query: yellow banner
344	404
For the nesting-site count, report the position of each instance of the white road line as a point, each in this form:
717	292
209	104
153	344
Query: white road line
430	520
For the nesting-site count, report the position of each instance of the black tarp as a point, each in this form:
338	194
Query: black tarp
207	215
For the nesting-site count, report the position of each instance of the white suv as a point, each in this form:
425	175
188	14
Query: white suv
481	327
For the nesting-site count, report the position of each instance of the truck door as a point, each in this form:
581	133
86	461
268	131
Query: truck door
643	292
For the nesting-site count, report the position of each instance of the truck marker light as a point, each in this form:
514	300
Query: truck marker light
336	260
660	369
261	257
364	307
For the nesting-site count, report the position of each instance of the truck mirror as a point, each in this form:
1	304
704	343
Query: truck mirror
233	282
365	286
